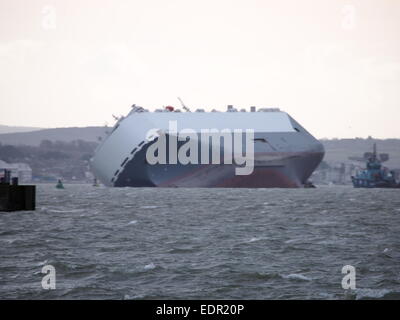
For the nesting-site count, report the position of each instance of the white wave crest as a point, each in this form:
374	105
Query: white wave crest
370	293
296	276
150	266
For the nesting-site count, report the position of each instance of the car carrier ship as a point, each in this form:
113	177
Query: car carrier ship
285	154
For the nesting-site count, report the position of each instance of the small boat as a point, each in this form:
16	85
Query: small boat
59	184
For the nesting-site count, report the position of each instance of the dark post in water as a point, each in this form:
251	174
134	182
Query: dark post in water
14	197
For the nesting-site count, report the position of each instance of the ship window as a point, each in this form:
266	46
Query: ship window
116	172
296	129
133	151
260	140
141	143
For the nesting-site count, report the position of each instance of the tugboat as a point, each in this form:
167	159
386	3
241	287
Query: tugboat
374	176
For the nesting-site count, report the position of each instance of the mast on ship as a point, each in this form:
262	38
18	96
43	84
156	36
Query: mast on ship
183	105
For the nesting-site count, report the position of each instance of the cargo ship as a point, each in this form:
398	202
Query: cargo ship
283	154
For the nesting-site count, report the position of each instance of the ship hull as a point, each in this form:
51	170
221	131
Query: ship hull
292	172
364	183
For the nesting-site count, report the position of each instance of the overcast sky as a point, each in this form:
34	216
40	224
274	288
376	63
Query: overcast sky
333	65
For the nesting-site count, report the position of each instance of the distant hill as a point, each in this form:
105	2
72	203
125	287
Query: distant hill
34	138
13	129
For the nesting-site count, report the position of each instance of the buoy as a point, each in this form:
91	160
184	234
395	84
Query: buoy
59	184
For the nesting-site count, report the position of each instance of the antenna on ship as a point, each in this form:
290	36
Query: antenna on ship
183	105
374	152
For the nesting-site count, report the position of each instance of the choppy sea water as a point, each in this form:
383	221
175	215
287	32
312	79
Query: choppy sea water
146	243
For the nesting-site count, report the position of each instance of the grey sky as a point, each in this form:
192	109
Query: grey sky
333	65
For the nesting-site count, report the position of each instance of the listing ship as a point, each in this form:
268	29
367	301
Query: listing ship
375	176
285	154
